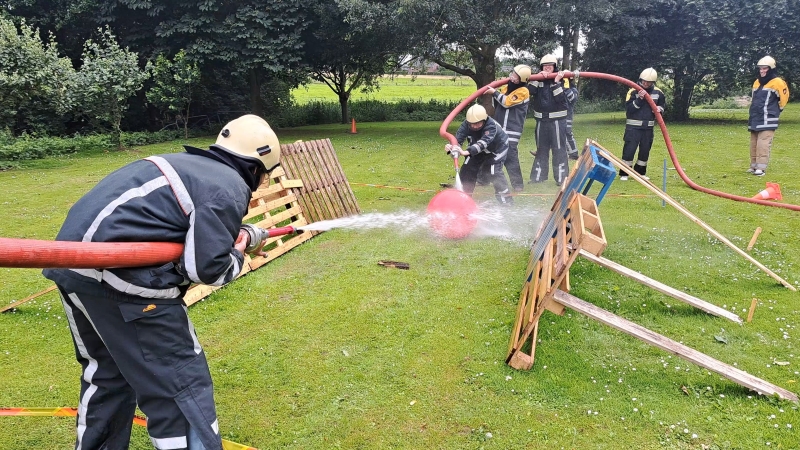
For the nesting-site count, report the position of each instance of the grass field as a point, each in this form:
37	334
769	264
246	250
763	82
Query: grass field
392	89
323	348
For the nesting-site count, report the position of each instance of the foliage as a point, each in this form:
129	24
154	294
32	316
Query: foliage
461	35
34	80
28	147
260	39
345	56
109	76
174	84
322	112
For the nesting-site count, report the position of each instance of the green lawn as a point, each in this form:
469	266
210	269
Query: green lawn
393	89
323	348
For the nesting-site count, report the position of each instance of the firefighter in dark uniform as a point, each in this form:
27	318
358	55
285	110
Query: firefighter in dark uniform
487	144
770	96
132	335
550	110
639	122
510	109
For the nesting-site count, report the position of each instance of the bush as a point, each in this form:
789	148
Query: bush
596	106
27	147
318	113
723	103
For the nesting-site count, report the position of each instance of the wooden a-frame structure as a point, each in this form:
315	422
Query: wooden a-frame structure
573	228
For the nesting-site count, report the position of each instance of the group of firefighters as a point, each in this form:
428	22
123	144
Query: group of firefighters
492	142
131	332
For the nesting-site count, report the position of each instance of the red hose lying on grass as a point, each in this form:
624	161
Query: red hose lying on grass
541	76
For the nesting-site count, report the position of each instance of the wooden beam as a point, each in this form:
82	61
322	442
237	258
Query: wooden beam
650	337
26	299
663	288
663	195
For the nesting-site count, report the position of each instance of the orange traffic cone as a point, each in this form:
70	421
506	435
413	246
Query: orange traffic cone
772	192
353	127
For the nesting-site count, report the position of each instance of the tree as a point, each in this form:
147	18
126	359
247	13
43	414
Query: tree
260	39
34	80
175	82
460	35
109	76
705	44
346	57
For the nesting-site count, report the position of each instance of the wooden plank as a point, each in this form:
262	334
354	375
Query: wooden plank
27	299
348	194
753	239
663	288
313	182
663	195
650	337
326	182
312	211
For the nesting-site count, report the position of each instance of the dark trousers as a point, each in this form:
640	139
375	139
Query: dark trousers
136	352
512	167
637	138
472	165
572	146
550	135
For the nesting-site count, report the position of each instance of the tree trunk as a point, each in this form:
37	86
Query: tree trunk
566	46
344	103
485	72
256	105
576	39
344	94
681	98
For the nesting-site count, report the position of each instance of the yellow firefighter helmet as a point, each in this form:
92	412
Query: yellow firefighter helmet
523	71
251	137
768	61
649	74
476	113
549	59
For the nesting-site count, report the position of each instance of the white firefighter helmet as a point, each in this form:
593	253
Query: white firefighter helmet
476	113
251	137
523	71
549	59
649	74
768	61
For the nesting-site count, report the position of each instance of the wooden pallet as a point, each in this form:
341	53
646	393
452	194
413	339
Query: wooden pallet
310	186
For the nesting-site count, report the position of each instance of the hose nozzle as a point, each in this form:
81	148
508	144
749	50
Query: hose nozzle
259	235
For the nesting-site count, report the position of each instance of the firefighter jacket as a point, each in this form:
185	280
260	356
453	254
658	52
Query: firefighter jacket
638	113
489	139
184	198
767	103
510	108
549	100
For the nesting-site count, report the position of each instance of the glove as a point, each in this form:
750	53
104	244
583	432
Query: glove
455	151
661	109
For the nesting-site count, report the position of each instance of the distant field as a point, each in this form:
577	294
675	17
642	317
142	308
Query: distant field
396	89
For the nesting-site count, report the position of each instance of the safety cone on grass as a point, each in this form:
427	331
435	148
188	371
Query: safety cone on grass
772	192
353	127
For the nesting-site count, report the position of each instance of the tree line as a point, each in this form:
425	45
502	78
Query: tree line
72	65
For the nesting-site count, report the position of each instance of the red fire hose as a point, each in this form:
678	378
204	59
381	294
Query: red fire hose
32	253
541	76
